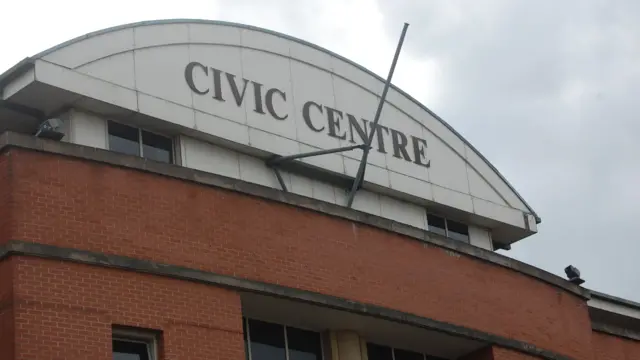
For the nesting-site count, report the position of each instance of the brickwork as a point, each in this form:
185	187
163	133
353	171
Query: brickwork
91	206
609	347
7	338
66	311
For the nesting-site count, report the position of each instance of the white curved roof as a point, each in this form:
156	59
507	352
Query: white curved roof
144	64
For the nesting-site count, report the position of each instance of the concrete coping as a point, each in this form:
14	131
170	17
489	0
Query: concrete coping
16	140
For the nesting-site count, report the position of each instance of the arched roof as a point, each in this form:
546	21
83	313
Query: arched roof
11	73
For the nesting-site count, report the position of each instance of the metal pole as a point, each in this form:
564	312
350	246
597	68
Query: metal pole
281	159
280	179
357	183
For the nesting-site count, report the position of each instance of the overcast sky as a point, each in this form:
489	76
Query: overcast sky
548	91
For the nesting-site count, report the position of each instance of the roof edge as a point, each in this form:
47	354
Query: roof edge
15	68
614	299
15	71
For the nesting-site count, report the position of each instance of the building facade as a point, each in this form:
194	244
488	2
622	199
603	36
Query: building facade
156	202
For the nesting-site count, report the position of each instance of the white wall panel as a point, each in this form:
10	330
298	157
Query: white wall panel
118	69
454	199
155	35
94	48
156	73
214	34
324	192
272	71
368	202
265	42
254	170
143	69
480	188
501	213
491	176
447	168
402	129
354	100
200	155
301	185
226	59
403	212
410	185
480	237
310	55
160	108
87	129
221	127
312	84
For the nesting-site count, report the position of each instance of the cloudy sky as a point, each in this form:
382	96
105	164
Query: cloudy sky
548	91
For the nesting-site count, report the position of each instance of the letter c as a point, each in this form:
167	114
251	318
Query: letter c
188	75
307	118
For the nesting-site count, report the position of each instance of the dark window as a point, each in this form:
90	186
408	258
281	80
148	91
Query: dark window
124	139
407	355
130	350
458	231
246	341
437	224
303	344
378	352
156	147
267	341
133	141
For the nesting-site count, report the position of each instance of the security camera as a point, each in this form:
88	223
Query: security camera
51	129
573	274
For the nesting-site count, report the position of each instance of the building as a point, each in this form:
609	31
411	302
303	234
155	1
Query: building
162	216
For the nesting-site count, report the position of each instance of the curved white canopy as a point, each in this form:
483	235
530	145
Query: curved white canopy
268	91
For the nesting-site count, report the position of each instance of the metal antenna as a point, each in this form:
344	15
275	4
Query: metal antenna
357	183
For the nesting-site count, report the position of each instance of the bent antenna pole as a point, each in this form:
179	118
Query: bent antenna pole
357	182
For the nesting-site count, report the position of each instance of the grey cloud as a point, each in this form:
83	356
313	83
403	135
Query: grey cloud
548	91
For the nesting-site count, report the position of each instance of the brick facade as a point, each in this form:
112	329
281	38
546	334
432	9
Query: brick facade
66	311
60	307
608	347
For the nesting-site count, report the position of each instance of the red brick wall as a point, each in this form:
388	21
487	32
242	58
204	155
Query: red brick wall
609	347
92	206
6	310
65	311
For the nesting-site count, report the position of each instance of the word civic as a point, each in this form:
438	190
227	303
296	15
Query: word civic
317	117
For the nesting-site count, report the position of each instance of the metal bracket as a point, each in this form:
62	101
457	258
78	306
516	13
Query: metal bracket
274	161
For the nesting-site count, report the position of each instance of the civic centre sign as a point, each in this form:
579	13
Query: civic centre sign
259	94
317	117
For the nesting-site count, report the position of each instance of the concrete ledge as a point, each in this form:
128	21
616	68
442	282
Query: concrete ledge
614	299
14	140
615	331
21	248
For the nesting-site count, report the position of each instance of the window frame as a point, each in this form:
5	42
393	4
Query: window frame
246	320
446	227
149	338
425	356
173	158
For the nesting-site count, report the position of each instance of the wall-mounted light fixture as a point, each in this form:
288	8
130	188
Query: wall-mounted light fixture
51	129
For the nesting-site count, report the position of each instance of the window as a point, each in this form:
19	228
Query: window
449	228
380	352
457	231
133	345
268	341
133	141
